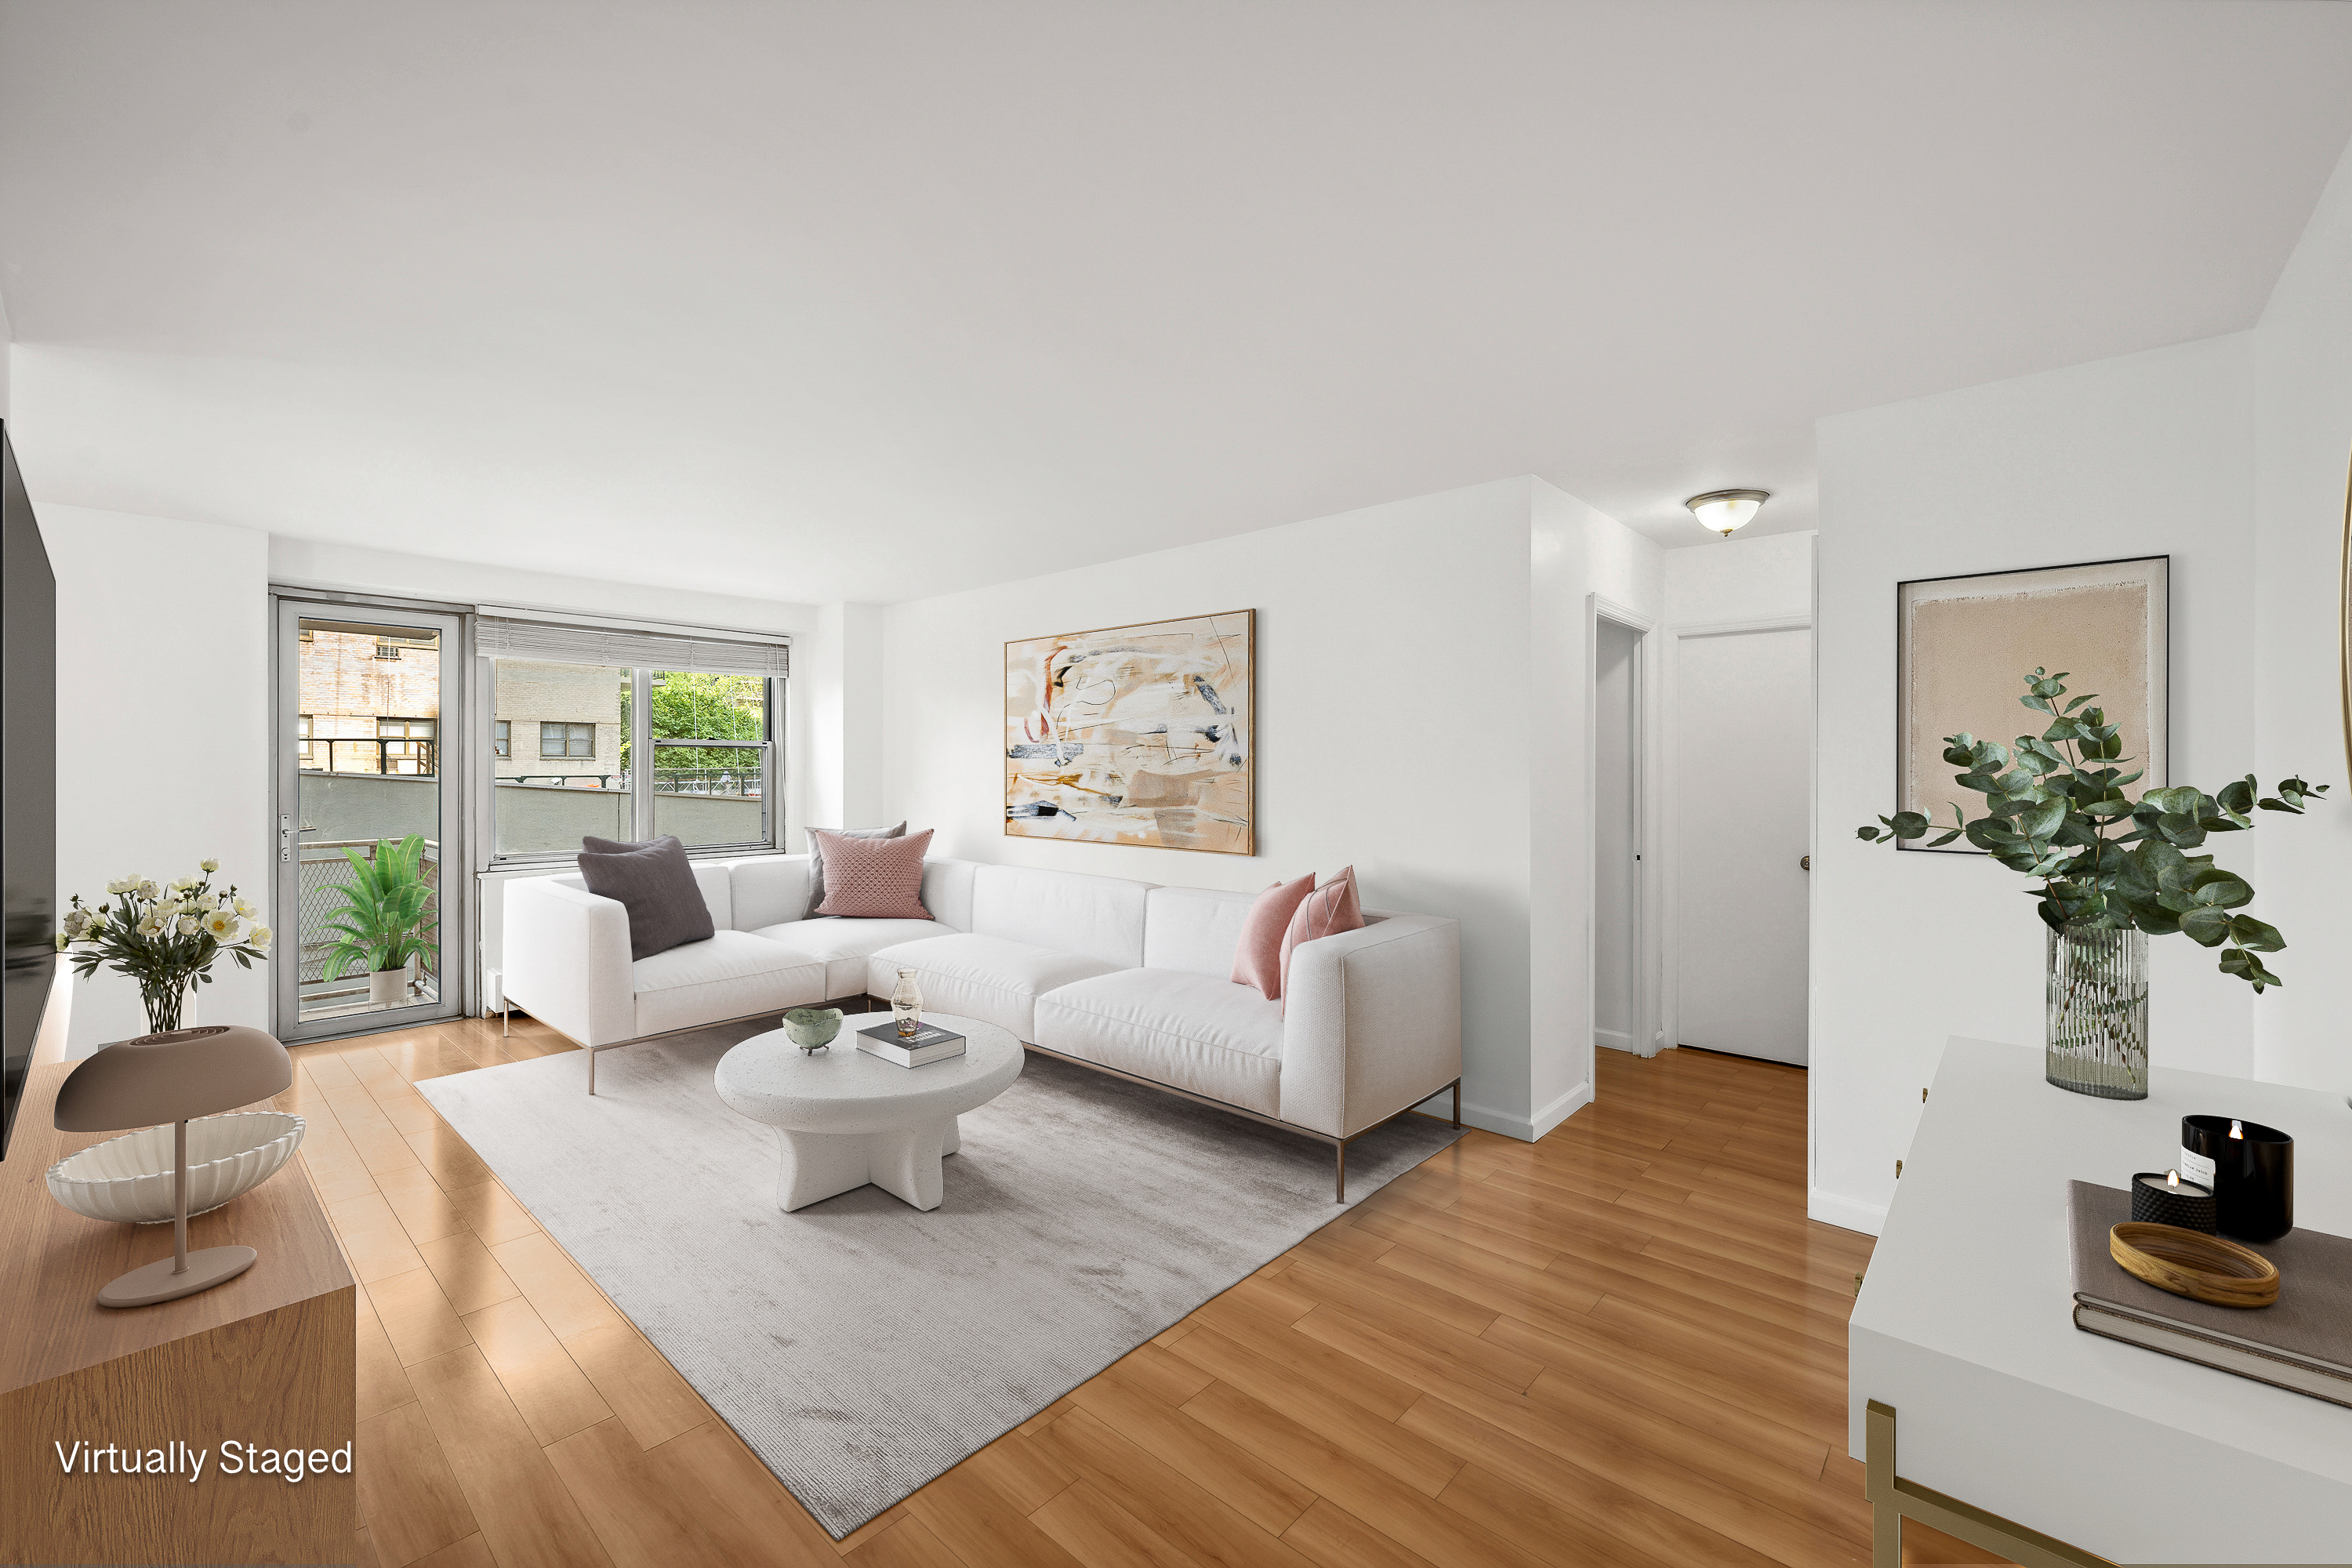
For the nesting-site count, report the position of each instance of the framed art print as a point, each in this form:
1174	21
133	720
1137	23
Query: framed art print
1964	645
1143	735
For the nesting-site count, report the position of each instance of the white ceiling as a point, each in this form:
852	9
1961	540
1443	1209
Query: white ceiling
875	300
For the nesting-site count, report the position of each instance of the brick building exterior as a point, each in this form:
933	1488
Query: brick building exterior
372	705
377	699
557	719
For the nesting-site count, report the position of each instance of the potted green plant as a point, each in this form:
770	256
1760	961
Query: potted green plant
2115	870
387	919
166	939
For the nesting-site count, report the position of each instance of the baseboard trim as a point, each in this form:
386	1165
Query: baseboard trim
1525	1129
1566	1106
1615	1040
1844	1213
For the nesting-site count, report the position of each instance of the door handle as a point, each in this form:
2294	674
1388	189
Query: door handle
1806	864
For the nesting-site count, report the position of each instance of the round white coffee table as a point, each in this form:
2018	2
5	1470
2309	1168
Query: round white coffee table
846	1117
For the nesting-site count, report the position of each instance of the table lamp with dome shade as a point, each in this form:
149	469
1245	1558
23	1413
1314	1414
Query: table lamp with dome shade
173	1077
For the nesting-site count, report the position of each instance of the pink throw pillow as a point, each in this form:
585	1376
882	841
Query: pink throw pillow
1257	960
1327	912
874	878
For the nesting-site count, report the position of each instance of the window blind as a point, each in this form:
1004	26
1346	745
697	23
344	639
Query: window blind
500	636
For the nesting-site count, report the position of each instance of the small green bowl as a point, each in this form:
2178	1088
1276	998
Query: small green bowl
813	1028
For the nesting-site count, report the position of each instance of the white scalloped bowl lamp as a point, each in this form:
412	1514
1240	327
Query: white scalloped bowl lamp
1724	510
131	1178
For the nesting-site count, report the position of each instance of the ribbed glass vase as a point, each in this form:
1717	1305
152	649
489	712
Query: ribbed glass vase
2097	1040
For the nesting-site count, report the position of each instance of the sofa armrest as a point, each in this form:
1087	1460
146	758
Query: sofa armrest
567	960
1371	1023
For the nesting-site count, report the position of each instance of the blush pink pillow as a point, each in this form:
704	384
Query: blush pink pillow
1327	912
874	878
1258	961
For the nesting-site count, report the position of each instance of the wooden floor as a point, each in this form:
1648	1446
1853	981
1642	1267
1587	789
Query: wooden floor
1624	1346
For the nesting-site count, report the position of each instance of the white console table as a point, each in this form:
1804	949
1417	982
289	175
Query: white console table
1964	1336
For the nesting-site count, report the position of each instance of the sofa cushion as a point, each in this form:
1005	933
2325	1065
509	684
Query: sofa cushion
816	858
1196	1032
843	946
732	975
1100	918
872	878
1195	929
1328	910
767	888
655	883
1257	957
982	977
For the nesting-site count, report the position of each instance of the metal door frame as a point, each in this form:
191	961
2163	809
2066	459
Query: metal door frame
454	753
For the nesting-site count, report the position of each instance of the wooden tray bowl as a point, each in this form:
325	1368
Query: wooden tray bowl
2190	1263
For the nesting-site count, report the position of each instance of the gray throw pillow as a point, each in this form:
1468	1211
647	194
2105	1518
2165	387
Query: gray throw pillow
816	858
655	883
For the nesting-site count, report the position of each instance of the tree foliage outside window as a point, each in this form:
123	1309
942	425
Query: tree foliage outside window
688	705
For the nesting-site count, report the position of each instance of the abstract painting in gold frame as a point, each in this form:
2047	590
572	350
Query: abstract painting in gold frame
1963	643
1143	735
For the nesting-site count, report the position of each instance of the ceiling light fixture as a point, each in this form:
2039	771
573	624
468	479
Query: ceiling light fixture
1724	510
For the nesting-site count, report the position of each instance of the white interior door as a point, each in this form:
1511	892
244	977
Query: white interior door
1616	906
1744	741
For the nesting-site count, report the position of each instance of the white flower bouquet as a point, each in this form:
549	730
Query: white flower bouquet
164	938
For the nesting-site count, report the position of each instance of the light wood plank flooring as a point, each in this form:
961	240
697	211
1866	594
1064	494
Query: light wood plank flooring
1622	1346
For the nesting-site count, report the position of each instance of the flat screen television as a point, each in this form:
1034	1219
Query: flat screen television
28	777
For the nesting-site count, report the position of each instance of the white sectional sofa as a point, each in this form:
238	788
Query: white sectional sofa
1126	977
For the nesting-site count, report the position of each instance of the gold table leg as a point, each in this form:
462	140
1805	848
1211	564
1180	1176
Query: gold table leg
1893	1499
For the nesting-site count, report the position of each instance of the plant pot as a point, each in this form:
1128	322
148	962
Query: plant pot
2096	1039
388	987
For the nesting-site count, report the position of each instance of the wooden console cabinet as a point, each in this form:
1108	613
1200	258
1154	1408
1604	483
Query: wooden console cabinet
267	1360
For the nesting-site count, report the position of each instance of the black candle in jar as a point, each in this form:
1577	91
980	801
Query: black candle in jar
2250	1169
2161	1198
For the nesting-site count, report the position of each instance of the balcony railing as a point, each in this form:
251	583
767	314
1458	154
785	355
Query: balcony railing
745	782
325	868
346	754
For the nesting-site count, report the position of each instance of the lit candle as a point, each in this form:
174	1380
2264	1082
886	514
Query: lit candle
2161	1198
2250	1169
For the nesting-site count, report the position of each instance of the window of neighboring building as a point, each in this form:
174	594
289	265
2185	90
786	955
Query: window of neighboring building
406	745
302	733
567	739
502	738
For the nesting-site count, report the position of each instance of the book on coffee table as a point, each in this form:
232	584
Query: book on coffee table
930	1043
2303	1341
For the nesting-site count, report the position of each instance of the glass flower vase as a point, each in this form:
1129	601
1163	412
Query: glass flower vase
907	1005
2096	1042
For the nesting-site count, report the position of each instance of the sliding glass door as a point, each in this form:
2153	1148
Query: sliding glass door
372	874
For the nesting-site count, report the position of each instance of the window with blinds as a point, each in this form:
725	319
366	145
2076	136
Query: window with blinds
499	637
631	733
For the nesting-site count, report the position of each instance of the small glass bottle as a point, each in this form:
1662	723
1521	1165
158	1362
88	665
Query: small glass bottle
906	1005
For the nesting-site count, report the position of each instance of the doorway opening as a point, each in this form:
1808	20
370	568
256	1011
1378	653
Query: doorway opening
370	872
1617	950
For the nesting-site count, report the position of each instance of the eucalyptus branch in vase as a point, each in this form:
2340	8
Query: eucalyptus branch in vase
2056	808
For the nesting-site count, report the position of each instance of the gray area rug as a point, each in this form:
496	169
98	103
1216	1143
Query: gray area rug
862	1347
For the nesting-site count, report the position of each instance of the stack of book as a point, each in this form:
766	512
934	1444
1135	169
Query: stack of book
2301	1341
930	1043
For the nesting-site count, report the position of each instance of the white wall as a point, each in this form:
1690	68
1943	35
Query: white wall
1739	579
843	774
1398	728
2303	446
1582	562
2149	454
163	726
